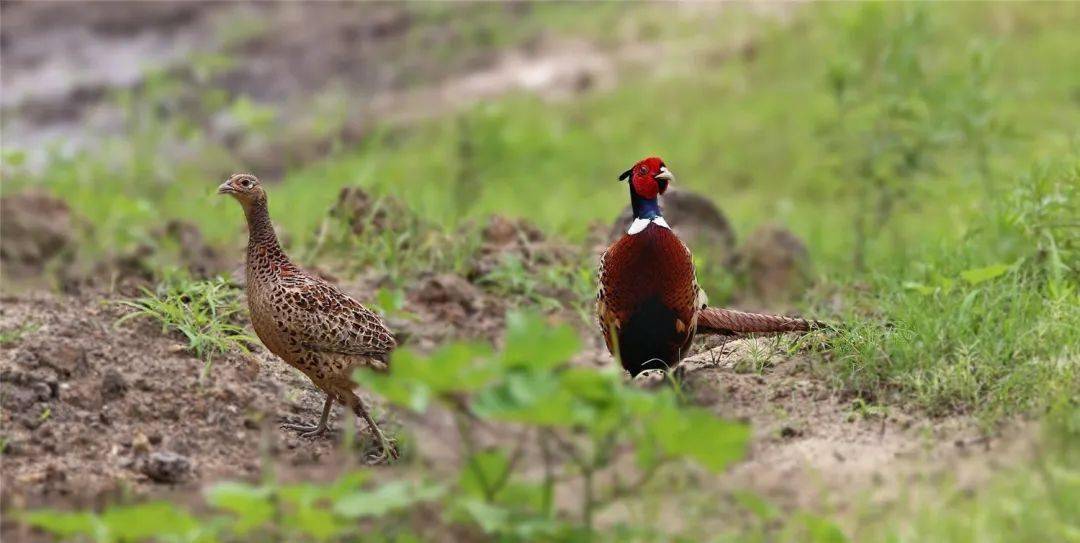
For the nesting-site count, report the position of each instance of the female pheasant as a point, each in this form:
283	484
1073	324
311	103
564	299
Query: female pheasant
311	324
649	305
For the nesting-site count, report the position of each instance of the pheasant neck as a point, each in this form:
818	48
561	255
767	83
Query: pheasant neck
260	229
643	208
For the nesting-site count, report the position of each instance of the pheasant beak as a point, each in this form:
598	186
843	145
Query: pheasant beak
663	178
226	188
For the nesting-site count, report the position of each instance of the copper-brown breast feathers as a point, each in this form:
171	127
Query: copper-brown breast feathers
639	267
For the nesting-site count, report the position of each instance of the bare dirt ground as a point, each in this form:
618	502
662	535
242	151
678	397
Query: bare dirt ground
92	411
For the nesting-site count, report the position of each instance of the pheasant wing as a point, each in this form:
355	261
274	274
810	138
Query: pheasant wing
325	319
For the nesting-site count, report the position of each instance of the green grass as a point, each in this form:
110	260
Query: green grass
11	336
207	314
988	326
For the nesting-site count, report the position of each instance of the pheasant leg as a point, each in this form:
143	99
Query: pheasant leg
313	430
386	450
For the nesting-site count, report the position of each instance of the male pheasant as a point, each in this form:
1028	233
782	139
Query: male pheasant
649	305
311	324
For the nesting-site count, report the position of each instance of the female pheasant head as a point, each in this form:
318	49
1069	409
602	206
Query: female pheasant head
648	179
245	188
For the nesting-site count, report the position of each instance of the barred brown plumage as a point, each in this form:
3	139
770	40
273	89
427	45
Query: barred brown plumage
715	320
311	324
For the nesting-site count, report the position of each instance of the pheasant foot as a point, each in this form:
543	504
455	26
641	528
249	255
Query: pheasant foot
312	430
386	450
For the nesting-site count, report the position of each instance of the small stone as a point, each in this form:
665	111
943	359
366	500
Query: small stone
140	443
787	432
113	385
31	421
26	358
776	262
166	467
12	448
650	379
66	358
499	231
155	438
17	399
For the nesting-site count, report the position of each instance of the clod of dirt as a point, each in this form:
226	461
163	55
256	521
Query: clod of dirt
361	211
776	263
37	228
787	432
697	221
650	379
501	231
140	444
449	289
503	238
166	467
31	421
198	257
66	358
178	241
113	385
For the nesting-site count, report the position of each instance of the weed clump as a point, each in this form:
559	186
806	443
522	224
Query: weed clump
206	313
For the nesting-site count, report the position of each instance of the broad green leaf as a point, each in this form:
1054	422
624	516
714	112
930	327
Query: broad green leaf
531	342
522	495
697	434
821	530
529	398
980	275
490	518
250	504
346	483
316	522
483	468
63	524
757	505
416	379
387	498
591	385
148	520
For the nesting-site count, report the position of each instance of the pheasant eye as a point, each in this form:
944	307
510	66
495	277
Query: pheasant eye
246	183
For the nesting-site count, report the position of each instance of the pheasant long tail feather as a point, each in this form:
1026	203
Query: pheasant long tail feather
712	320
